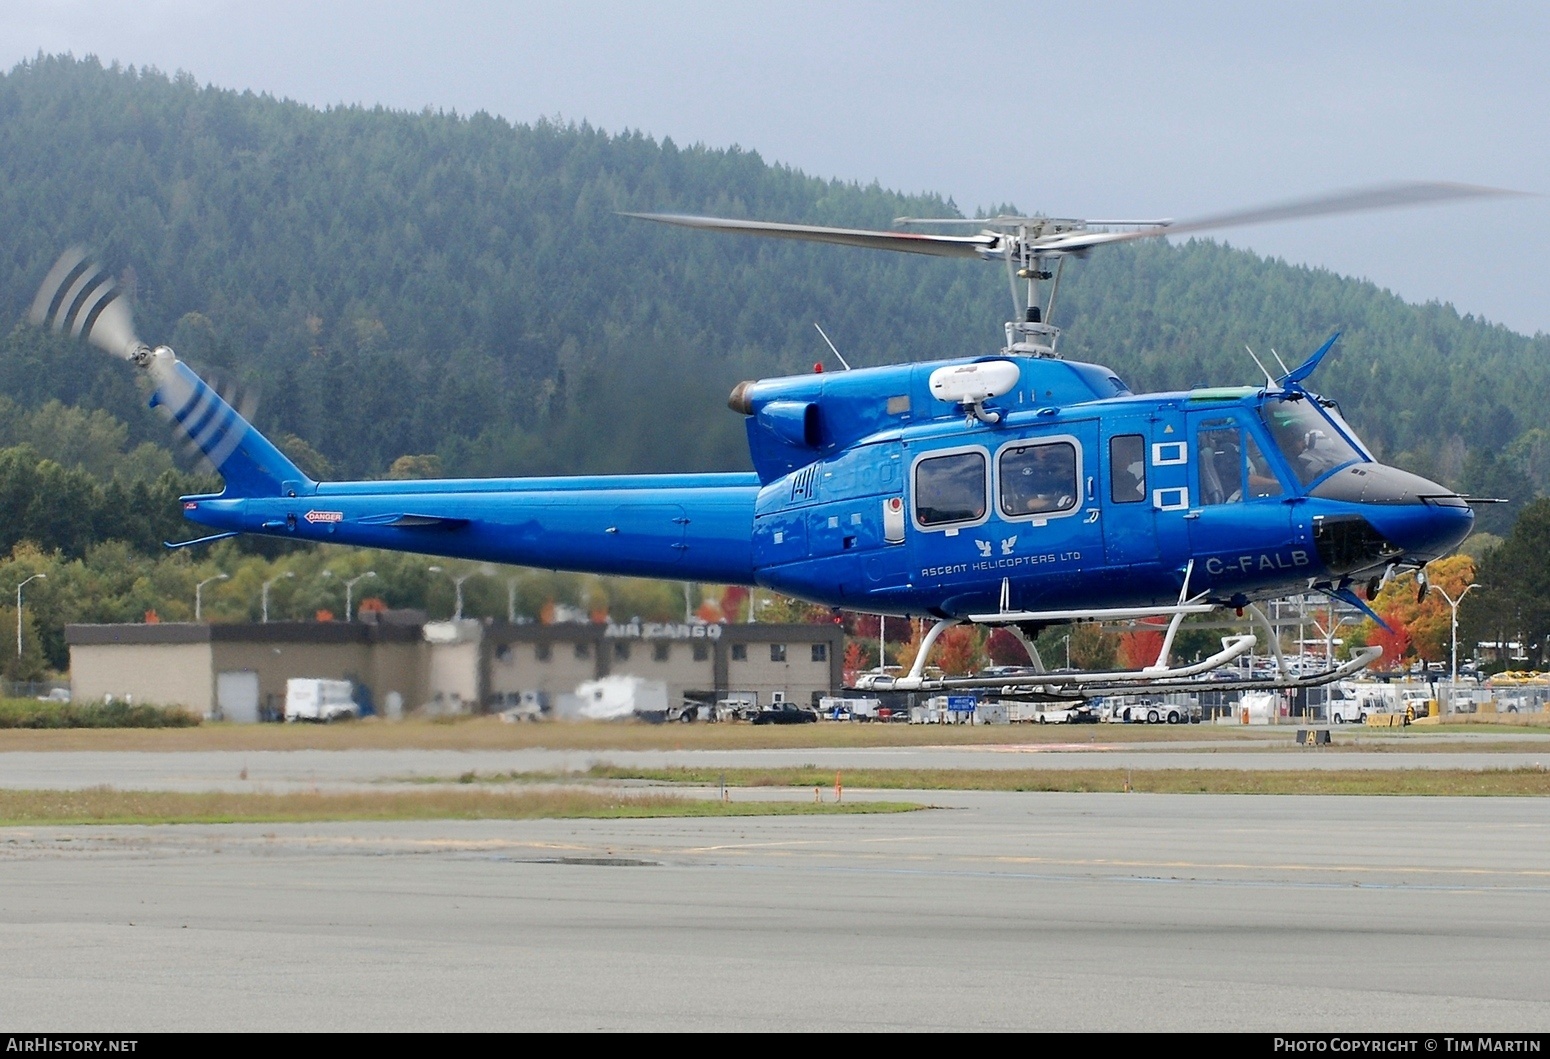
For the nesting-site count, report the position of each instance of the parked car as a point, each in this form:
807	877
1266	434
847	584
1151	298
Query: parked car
785	713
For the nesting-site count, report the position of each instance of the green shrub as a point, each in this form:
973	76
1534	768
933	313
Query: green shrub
31	713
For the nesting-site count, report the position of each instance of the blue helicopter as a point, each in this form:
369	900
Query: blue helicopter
1015	489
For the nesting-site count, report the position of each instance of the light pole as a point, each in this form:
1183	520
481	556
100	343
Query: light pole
199	594
19	588
457	581
511	599
272	580
1453	605
349	589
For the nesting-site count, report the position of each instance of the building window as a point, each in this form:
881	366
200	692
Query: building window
820	652
739	652
659	652
621	651
777	652
503	653
583	650
701	652
541	652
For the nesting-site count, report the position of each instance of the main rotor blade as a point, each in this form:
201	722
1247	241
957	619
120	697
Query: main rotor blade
907	242
1382	196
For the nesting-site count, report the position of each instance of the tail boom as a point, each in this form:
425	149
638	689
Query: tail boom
679	527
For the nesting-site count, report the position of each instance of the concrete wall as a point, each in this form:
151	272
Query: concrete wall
679	670
469	666
170	674
551	667
453	677
799	676
381	667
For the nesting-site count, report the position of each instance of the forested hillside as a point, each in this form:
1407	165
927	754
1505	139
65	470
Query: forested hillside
404	284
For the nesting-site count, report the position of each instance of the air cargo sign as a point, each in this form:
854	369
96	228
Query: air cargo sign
661	630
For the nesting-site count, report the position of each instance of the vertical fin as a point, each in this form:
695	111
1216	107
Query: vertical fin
248	461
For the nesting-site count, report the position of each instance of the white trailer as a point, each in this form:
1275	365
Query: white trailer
307	699
1344	706
858	708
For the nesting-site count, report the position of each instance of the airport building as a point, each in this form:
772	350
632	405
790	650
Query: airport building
401	663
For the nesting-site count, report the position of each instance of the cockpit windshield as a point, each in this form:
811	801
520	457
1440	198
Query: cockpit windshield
1310	442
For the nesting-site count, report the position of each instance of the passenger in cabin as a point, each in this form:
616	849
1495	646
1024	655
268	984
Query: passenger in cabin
1038	479
1132	483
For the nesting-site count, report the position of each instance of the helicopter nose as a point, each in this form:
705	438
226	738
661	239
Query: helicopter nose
1412	514
1426	529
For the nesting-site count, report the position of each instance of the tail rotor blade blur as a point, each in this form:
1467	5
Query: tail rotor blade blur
78	299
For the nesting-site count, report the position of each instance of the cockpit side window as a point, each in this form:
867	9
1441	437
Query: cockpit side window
1219	449
950	488
1262	477
1310	442
1233	467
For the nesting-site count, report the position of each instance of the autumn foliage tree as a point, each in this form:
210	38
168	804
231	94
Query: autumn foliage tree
1140	647
958	651
1092	647
1422	628
1005	649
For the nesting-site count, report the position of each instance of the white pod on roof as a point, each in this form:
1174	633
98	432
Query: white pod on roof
972	383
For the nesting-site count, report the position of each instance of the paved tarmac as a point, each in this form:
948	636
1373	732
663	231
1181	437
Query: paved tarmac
278	770
997	911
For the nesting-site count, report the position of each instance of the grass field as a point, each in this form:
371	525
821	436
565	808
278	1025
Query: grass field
488	733
1521	782
103	805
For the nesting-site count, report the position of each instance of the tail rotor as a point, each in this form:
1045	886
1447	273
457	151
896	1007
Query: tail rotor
79	299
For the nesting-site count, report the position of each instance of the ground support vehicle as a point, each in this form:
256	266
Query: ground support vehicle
319	700
1147	709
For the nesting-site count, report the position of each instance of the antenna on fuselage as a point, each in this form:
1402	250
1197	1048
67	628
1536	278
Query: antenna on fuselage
836	352
1270	383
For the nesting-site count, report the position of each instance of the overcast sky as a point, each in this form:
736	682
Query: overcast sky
1081	109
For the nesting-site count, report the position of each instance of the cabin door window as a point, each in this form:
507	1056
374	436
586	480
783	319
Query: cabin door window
1127	468
951	489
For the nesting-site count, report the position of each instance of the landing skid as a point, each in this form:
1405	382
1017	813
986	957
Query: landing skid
1160	677
1195	677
